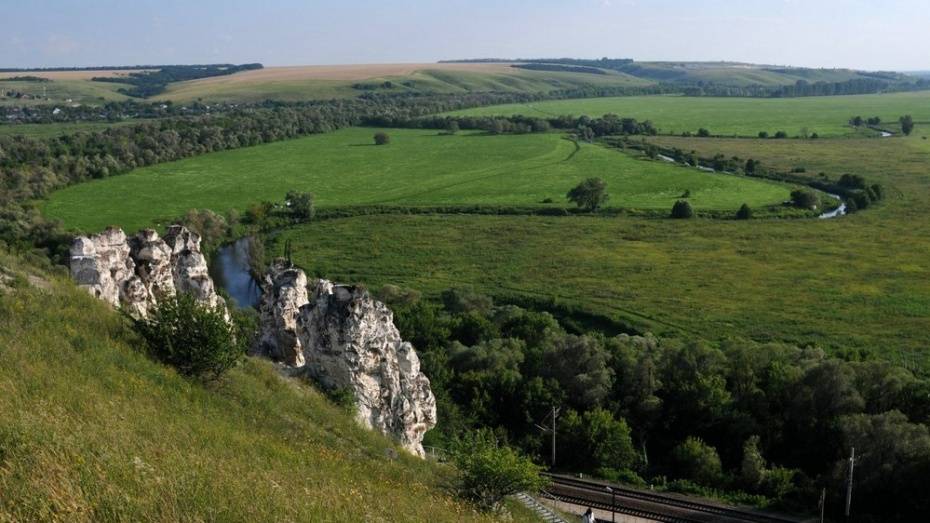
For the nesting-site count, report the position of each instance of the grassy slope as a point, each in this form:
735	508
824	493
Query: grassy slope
856	282
417	168
735	116
91	430
237	88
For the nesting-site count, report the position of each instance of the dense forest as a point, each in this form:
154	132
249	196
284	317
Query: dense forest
760	423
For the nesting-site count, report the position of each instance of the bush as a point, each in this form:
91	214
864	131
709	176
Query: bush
382	138
590	194
300	205
763	134
804	198
781	135
682	210
744	212
192	337
703	133
698	461
489	471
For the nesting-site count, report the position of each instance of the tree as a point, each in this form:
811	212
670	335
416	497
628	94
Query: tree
763	134
488	471
703	133
804	198
781	135
579	364
744	212
590	194
682	210
752	468
596	440
751	166
192	337
856	121
382	138
698	461
907	124
300	205
452	127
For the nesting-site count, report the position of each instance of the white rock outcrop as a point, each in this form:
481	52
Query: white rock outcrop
135	273
344	340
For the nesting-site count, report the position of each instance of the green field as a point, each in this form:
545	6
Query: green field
859	282
418	168
825	115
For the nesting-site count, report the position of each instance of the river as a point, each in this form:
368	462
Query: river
234	275
839	211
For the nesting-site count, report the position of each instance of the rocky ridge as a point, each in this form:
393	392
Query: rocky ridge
341	338
134	273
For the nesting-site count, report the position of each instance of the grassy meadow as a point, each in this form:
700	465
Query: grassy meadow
825	115
78	90
418	168
92	430
858	282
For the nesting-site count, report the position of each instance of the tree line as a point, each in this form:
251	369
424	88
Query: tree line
761	423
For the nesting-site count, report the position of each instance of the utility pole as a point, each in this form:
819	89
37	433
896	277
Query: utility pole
823	503
613	504
554	413
849	480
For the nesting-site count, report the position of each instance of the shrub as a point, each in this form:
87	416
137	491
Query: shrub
781	134
804	198
703	133
590	194
382	138
192	337
744	212
907	125
489	471
682	210
686	194
763	134
698	461
300	205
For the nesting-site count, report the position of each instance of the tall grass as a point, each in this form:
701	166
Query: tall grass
92	430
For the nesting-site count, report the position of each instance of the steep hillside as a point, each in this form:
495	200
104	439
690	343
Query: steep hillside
92	430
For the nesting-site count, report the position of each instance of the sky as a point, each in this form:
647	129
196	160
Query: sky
862	34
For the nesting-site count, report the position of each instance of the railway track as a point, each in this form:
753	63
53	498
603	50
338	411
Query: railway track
666	508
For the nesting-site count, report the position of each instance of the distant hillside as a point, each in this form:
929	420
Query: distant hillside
92	430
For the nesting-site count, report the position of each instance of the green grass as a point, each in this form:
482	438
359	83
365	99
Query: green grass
860	282
418	168
825	115
50	130
92	430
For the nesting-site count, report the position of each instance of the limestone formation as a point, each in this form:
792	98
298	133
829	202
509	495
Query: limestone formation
135	273
285	291
349	342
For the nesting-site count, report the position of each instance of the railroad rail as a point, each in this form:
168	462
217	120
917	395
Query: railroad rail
665	508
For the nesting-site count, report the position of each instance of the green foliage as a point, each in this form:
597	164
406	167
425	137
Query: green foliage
744	212
596	440
907	125
579	365
300	205
590	194
489	471
382	138
805	198
682	210
698	461
752	468
192	337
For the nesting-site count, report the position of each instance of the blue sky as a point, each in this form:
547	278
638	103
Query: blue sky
869	34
